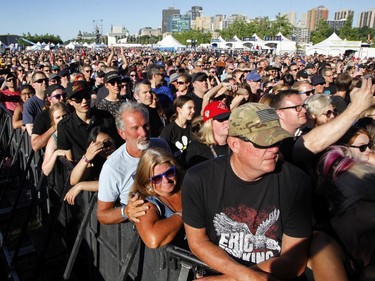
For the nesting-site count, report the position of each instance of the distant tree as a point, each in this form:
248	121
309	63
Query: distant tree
281	24
347	31
197	35
47	38
322	32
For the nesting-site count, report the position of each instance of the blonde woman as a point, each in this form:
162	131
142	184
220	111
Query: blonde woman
158	181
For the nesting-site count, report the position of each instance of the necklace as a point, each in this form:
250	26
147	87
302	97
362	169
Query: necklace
170	205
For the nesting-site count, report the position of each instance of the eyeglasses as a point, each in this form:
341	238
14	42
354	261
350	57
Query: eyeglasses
362	148
87	70
330	112
298	108
42	80
181	82
59	96
169	174
245	139
113	82
307	93
10	79
81	98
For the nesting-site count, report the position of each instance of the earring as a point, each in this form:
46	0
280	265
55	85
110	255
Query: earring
150	189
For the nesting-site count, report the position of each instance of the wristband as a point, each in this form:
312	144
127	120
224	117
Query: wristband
178	213
122	212
85	159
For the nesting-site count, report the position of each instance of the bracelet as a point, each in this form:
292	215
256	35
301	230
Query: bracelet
85	159
122	212
178	213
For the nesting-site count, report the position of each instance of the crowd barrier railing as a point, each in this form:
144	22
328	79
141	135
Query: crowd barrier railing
99	252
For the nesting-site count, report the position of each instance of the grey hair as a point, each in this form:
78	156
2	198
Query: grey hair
138	85
129	106
316	104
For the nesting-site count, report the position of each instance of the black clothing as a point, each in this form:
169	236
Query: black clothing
247	219
198	152
178	140
197	103
156	125
42	122
73	132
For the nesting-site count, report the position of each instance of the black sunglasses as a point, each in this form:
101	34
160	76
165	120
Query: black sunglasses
11	79
222	119
181	82
40	81
113	82
245	139
362	148
330	112
80	98
307	93
298	108
169	174
58	96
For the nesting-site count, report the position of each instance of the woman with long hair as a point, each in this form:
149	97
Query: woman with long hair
26	92
86	172
158	181
210	140
178	132
57	112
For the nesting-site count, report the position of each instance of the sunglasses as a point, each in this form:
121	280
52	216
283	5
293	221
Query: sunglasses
113	82
222	119
298	108
181	82
40	81
10	79
329	113
79	99
169	174
245	139
59	96
132	75
307	93
362	148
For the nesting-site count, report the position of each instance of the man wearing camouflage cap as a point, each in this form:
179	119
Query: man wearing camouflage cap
247	215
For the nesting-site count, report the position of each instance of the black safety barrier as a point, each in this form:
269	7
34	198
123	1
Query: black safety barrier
92	251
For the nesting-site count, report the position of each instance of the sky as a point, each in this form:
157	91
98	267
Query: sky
67	17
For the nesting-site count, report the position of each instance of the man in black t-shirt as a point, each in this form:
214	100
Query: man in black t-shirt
42	129
247	215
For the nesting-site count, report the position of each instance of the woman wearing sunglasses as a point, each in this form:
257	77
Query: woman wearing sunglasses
359	143
320	109
158	181
348	184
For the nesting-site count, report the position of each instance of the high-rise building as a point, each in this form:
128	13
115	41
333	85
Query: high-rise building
217	22
367	18
343	14
178	23
292	17
315	15
196	11
203	23
166	13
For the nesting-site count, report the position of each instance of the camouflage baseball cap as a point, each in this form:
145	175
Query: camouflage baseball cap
257	122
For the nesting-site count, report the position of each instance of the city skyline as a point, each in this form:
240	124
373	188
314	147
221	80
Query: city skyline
68	17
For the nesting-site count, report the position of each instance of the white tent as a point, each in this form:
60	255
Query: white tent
334	46
169	43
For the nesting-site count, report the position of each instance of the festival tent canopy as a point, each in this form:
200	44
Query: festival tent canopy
169	43
334	46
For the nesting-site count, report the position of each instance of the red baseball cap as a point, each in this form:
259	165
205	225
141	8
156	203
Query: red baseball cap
216	110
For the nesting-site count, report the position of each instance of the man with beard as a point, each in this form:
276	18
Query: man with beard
117	175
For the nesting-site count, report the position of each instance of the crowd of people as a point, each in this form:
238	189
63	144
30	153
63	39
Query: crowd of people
264	162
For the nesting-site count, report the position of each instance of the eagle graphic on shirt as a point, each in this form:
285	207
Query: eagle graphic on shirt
237	239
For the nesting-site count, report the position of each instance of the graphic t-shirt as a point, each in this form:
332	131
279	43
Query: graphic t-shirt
247	219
